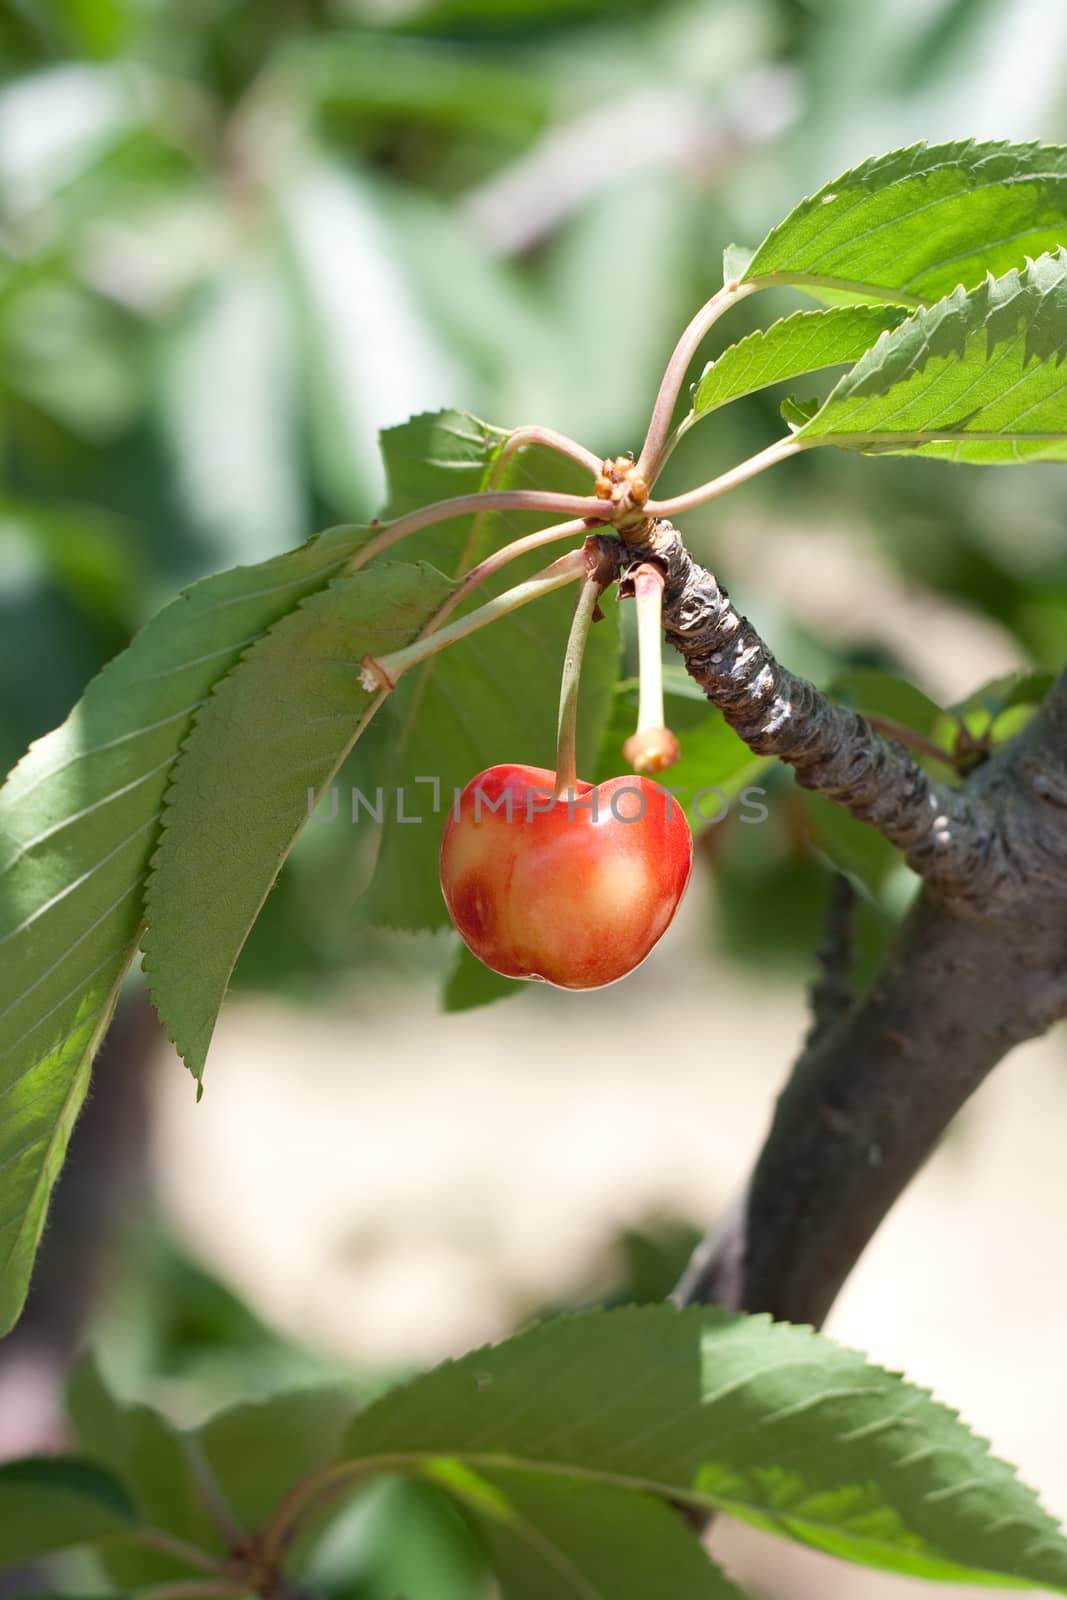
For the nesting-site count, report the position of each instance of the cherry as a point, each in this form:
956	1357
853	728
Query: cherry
572	891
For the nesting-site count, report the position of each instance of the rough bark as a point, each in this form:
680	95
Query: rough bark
979	965
831	993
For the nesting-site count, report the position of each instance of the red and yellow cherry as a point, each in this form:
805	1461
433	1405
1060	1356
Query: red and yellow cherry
574	891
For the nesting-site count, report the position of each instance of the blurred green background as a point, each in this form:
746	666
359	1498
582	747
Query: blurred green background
237	238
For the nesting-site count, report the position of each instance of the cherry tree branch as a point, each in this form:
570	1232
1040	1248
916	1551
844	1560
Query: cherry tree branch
977	966
943	832
831	992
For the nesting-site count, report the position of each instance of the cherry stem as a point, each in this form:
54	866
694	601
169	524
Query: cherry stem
567	739
211	1492
518	438
891	729
501	558
653	453
781	450
653	747
382	672
568	505
197	1589
648	583
179	1550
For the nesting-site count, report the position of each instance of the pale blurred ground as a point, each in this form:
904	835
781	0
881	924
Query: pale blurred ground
407	1184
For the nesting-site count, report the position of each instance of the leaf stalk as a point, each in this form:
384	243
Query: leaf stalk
383	672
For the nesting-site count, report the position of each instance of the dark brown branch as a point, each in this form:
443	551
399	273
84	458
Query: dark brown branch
979	965
831	991
944	833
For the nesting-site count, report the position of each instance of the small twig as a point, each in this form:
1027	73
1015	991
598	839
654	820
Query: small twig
549	439
652	451
169	1545
831	991
499	559
212	1494
305	1499
567	733
567	505
195	1589
780	450
383	672
890	729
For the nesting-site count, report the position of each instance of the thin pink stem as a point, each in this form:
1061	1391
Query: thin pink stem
551	440
501	558
781	450
567	735
382	672
652	456
648	598
568	505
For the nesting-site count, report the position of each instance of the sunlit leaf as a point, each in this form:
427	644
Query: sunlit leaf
773	1424
808	341
913	224
978	377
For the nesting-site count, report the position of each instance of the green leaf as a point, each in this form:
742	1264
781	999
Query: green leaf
736	259
254	1453
274	732
977	378
551	1536
770	1423
146	1453
78	823
797	412
1008	693
400	1539
470	983
258	1451
855	848
808	341
881	694
911	225
53	1503
991	715
493	697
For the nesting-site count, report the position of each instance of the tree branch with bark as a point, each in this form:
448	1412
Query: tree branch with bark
978	965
